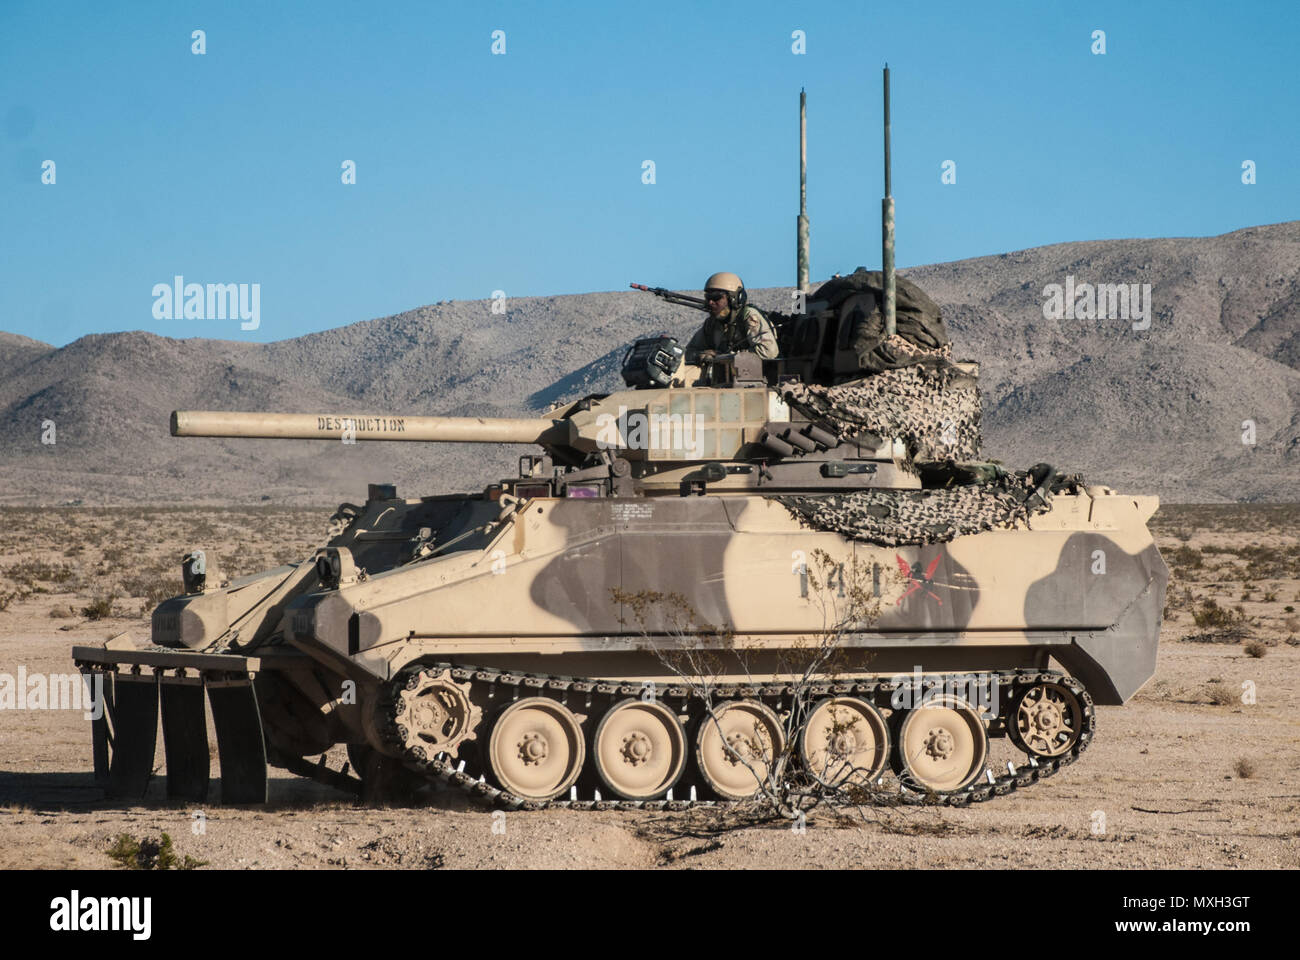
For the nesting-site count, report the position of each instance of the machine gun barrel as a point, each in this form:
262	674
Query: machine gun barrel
312	426
672	296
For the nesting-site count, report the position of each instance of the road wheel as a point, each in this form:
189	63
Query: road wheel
844	740
639	749
941	746
536	750
736	747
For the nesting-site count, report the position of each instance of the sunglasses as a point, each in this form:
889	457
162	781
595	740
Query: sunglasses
715	295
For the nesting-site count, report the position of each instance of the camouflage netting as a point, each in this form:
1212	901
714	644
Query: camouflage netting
908	387
911	517
931	405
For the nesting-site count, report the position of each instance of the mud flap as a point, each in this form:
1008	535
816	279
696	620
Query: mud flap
135	734
240	744
101	737
185	738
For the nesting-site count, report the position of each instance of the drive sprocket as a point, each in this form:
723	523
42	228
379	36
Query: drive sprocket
434	714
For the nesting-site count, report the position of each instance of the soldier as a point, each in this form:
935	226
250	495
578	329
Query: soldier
732	324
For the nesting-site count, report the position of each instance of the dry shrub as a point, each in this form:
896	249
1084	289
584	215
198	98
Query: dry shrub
1164	690
154	589
1185	556
149	853
29	571
1254	648
1210	614
1220	694
1244	768
99	608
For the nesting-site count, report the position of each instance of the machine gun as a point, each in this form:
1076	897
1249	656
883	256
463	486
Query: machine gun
681	299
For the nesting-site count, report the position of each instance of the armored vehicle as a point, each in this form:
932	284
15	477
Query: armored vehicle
523	643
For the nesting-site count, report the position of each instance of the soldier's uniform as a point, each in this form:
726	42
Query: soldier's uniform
743	327
725	335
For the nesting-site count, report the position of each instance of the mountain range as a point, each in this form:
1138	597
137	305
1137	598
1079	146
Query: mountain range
1203	405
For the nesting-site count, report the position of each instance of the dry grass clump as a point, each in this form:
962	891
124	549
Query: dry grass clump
99	608
30	571
1244	768
154	589
149	853
1210	614
1220	694
1185	558
1269	563
1254	648
1163	690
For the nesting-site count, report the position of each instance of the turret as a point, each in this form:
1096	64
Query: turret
736	436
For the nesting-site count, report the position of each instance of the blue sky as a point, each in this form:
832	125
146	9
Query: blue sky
523	172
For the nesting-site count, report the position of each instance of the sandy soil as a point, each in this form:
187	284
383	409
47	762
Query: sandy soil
1174	779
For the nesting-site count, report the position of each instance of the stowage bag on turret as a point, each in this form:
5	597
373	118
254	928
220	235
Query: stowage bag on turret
858	301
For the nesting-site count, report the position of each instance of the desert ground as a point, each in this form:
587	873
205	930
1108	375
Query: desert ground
1199	770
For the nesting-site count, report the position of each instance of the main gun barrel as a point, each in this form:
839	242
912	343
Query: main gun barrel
312	426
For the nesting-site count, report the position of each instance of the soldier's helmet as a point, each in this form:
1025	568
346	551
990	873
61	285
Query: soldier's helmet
730	284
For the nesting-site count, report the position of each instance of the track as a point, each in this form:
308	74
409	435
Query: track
588	694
